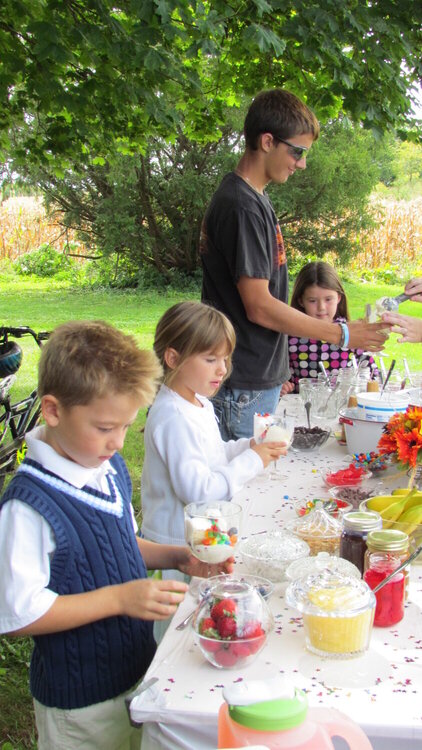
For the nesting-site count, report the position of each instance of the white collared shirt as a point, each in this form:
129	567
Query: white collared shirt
27	542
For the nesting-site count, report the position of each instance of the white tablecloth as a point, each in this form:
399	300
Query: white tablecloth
381	690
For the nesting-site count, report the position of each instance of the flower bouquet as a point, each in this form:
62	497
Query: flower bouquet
402	438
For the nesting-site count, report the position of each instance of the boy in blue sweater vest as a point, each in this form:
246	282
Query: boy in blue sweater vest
73	569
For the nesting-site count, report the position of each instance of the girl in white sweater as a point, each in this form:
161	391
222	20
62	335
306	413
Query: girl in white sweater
186	459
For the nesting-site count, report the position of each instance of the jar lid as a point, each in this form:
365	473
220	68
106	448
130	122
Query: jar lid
272	716
318	523
330	594
360	520
322	561
390	540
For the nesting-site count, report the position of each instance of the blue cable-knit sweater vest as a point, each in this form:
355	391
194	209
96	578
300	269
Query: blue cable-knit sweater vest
95	546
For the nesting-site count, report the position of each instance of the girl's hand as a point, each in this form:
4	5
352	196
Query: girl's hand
150	599
269	451
414	289
410	329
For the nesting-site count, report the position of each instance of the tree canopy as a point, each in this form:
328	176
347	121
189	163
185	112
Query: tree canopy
80	79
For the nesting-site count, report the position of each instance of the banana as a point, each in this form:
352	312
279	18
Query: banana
410	519
413	501
405	491
392	512
379	502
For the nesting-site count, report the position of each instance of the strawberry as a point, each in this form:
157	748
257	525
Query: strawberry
225	658
207	623
252	629
209	645
241	649
256	644
226	627
223	608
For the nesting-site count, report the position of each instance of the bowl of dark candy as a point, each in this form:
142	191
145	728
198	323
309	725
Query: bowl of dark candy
308	439
262	585
232	625
351	494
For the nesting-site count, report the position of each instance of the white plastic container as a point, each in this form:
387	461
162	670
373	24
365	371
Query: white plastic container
362	435
375	408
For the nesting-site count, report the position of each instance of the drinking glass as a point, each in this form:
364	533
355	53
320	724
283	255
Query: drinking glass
273	428
212	532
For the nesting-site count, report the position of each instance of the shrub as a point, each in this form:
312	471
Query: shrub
44	262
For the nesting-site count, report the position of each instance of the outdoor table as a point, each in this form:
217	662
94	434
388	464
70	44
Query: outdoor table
380	690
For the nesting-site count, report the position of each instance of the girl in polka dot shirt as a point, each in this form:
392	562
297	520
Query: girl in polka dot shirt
318	292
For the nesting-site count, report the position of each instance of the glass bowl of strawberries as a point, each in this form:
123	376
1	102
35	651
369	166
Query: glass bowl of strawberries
232	625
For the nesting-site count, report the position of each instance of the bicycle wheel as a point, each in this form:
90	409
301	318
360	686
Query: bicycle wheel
10	358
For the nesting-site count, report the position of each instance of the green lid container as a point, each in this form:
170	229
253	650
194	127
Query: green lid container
272	716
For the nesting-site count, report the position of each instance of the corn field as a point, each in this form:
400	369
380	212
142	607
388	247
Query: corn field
24	226
398	235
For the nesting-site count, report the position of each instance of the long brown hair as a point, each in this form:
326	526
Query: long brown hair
323	275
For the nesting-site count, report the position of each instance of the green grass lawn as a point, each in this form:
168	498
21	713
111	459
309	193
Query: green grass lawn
44	304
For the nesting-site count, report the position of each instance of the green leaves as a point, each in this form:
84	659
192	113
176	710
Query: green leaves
123	74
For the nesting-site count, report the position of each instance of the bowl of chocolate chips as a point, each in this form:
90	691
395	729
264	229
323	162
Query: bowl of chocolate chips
309	438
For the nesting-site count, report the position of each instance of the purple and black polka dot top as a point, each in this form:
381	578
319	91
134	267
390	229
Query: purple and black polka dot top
304	355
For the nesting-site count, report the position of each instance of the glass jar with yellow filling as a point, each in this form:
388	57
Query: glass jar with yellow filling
338	613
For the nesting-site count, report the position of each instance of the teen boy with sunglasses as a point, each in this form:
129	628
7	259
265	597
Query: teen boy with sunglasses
245	266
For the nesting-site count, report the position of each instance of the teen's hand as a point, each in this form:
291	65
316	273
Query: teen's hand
410	329
414	289
191	566
269	451
151	599
368	336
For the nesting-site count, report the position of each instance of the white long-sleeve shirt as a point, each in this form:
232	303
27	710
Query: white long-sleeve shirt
27	541
187	461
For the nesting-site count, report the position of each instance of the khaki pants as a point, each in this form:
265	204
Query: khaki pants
103	726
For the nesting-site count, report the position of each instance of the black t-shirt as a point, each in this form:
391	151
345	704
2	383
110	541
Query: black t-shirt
241	236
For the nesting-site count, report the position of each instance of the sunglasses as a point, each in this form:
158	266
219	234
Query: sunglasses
298	152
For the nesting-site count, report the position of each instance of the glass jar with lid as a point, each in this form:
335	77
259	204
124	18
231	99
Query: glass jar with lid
386	550
356	527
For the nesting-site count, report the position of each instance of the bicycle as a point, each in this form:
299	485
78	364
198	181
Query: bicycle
19	417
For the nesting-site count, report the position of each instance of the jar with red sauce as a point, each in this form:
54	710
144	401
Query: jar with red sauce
356	526
386	550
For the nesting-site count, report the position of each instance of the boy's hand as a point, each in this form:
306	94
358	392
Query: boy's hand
191	566
368	336
151	599
269	451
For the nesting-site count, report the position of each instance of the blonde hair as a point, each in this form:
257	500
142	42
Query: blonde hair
192	328
88	359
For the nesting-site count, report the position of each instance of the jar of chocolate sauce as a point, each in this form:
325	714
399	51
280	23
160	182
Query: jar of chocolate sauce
356	526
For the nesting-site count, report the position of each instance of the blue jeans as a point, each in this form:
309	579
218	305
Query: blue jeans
235	408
